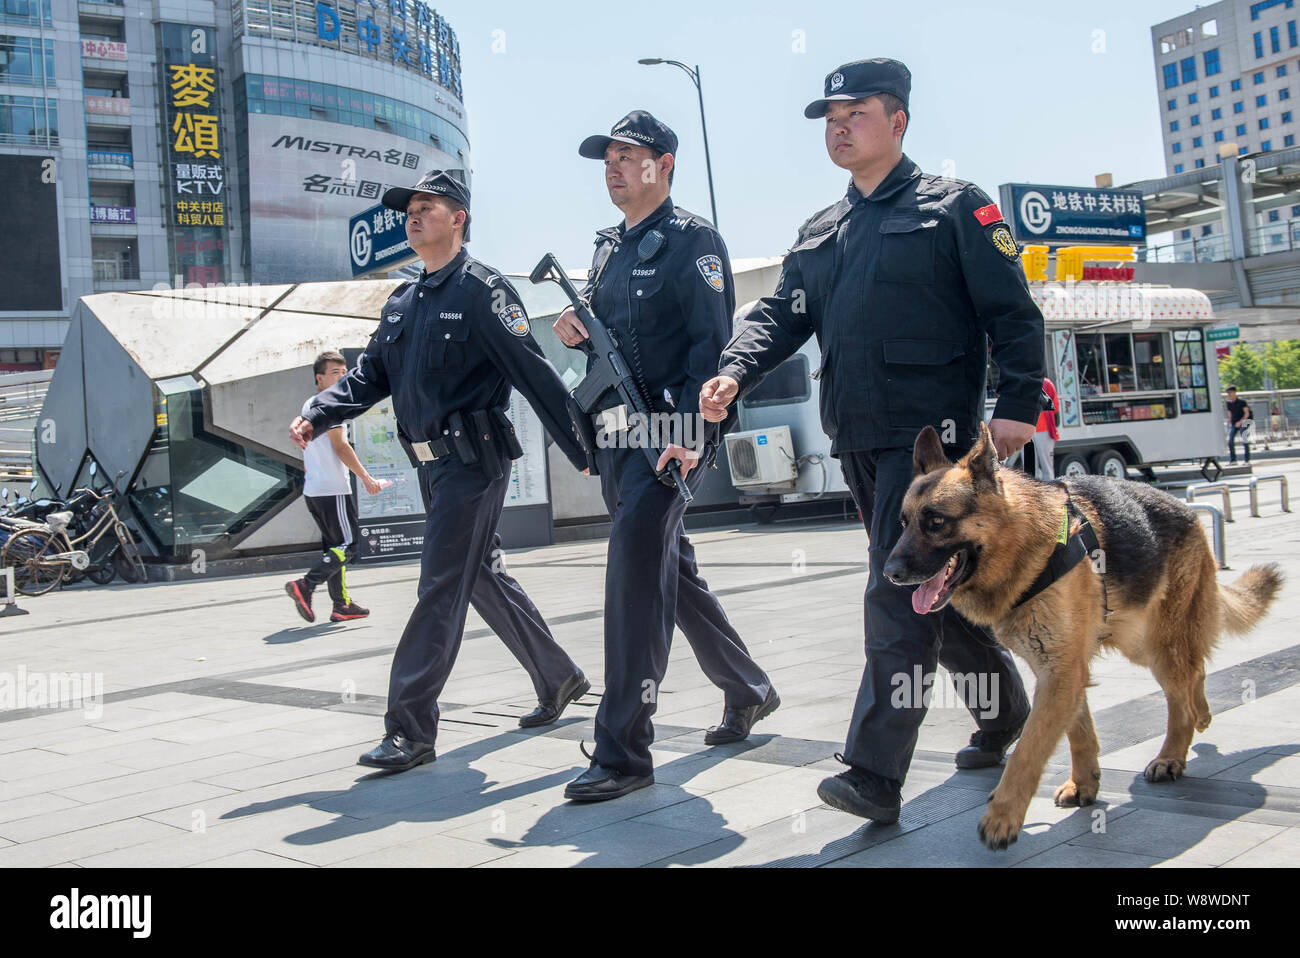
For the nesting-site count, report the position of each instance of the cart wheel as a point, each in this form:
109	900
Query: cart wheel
1072	465
1110	462
33	573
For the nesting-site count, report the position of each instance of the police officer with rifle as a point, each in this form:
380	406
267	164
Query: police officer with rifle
661	286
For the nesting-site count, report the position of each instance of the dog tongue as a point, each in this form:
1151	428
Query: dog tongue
925	594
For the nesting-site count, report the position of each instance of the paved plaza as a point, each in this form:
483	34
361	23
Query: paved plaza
228	732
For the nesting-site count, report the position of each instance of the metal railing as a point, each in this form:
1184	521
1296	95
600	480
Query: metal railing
1206	249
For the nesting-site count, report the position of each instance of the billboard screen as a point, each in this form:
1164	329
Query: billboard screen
312	177
29	234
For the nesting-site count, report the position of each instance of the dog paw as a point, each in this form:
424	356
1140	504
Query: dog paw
1165	770
998	829
1073	794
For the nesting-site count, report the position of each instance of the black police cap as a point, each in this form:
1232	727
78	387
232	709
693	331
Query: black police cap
863	78
638	128
437	182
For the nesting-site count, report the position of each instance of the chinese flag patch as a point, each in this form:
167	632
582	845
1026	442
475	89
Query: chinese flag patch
988	214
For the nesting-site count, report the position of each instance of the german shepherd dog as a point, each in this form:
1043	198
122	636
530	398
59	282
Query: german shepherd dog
979	535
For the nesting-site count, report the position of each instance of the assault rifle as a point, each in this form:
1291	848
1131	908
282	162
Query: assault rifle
609	373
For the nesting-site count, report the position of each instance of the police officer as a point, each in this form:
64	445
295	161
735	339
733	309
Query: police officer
448	349
903	281
662	281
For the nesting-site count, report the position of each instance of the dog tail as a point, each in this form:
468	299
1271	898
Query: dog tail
1246	600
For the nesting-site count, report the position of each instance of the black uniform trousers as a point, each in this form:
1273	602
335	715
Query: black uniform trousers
460	566
882	735
652	582
336	517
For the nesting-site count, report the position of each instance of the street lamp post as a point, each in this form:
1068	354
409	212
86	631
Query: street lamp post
694	74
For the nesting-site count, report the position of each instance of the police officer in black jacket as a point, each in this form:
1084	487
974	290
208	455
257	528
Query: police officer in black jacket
448	349
904	281
661	281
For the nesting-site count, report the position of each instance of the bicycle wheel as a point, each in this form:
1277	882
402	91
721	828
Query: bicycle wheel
34	574
127	559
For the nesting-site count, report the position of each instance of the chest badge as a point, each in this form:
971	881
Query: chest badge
711	269
514	319
1001	239
393	317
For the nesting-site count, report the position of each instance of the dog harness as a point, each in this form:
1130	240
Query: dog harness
1070	551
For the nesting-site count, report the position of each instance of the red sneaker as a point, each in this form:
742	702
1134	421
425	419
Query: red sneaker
301	596
345	613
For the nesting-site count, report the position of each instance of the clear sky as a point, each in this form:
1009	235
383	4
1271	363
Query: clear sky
1010	91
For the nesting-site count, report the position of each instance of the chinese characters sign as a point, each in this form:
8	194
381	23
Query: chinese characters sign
103	50
196	149
1068	215
112	214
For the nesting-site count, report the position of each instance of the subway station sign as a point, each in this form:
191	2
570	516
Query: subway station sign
1071	215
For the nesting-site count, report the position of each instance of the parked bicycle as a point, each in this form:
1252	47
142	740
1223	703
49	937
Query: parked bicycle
43	554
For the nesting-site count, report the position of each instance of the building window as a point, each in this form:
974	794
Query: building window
1216	114
1173	126
1291	33
1200	164
1207	229
1214	91
1272	216
1257	8
1259	46
1191	98
1257	78
1236	85
1266	145
1176	148
1286	117
1211	63
1188	65
1281	70
1261	100
1196	120
1178	167
1263	123
1196	142
1173	104
1239	107
1187	234
28	119
1273	41
1284	93
1218	136
1171	75
1295	211
21	61
1241	129
1241	151
1210	28
1288	140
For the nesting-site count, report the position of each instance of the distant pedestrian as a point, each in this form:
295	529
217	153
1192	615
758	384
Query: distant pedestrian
1046	436
1240	419
327	460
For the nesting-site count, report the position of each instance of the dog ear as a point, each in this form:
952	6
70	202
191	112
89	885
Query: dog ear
982	460
927	453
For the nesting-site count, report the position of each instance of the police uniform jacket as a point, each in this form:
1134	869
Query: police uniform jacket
671	312
904	289
456	341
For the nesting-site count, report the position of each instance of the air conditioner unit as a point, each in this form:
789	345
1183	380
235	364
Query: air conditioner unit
761	457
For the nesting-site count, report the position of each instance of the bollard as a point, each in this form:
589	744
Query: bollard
1220	550
1220	487
8	599
1254	492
